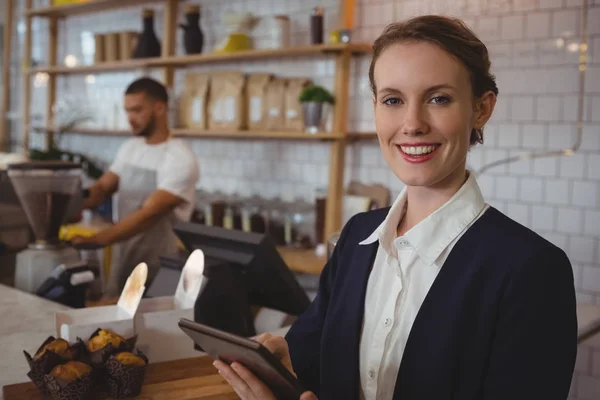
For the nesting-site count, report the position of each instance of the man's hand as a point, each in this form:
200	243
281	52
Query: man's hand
246	384
156	206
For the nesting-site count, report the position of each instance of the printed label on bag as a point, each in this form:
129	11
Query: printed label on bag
255	109
274	112
198	109
290	114
229	109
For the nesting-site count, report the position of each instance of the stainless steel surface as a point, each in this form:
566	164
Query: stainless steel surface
314	116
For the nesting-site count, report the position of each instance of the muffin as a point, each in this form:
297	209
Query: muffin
70	381
125	374
104	343
71	371
51	353
58	346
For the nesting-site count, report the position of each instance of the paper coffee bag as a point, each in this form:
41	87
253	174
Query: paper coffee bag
195	100
275	118
293	108
227	105
257	100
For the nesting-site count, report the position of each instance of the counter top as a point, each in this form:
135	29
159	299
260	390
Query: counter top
27	320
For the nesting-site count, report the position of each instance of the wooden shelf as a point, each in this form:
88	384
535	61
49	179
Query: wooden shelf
92	6
199	59
208	134
353	136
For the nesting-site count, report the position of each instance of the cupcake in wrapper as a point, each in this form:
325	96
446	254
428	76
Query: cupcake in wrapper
51	353
125	374
70	381
104	343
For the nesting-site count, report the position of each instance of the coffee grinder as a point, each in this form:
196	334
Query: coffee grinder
45	190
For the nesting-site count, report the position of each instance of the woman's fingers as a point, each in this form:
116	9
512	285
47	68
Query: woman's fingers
279	347
308	396
237	383
258	388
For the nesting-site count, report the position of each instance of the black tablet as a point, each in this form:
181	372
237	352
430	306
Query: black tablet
231	348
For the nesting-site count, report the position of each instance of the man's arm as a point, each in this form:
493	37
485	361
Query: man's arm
156	206
106	186
533	352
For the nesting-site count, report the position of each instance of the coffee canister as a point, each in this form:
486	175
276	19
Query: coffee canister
279	31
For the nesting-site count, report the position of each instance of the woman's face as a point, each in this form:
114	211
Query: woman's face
424	113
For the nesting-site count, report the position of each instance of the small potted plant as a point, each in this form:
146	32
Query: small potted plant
315	101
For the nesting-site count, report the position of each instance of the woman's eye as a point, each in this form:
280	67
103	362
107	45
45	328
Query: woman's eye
391	101
440	100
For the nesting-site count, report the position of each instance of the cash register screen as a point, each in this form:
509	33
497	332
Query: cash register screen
269	281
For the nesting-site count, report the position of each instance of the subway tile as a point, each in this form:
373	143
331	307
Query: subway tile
488	28
595	114
585	194
519	212
557	191
545	166
531	190
550	4
570	108
559	240
594	15
522	108
535	136
593	170
492	155
582	249
592	223
573	166
508	135
577	274
522	167
524	5
502	110
593	80
569	221
565	23
507	188
542	218
538	25
561	136
548	108
512	26
487	185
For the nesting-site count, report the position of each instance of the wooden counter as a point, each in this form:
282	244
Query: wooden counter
302	261
192	378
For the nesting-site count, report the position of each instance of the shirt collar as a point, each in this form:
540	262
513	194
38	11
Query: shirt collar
432	236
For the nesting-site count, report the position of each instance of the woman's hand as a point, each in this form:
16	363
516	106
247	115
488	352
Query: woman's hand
248	386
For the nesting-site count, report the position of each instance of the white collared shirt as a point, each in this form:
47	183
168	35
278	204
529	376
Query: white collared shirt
404	270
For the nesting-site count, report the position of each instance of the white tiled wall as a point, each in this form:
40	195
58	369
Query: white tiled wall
537	110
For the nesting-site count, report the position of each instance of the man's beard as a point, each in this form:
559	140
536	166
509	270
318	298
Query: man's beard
148	129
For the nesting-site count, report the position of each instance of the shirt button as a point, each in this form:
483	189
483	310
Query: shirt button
387	321
372	374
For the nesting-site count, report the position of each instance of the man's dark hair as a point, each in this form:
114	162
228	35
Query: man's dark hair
150	87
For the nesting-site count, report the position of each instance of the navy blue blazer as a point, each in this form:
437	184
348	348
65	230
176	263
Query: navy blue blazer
499	321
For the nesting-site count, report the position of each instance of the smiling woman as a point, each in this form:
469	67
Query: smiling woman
440	296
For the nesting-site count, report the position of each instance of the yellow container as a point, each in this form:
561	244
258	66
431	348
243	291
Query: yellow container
63	2
68	232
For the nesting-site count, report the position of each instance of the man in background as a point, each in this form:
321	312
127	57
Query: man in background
154	177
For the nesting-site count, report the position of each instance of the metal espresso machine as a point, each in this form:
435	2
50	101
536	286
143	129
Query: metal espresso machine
48	267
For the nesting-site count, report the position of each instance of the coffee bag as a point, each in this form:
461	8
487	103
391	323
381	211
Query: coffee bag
275	118
227	105
293	108
257	100
195	100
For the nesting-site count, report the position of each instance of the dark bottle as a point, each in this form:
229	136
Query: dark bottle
193	38
316	26
148	44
